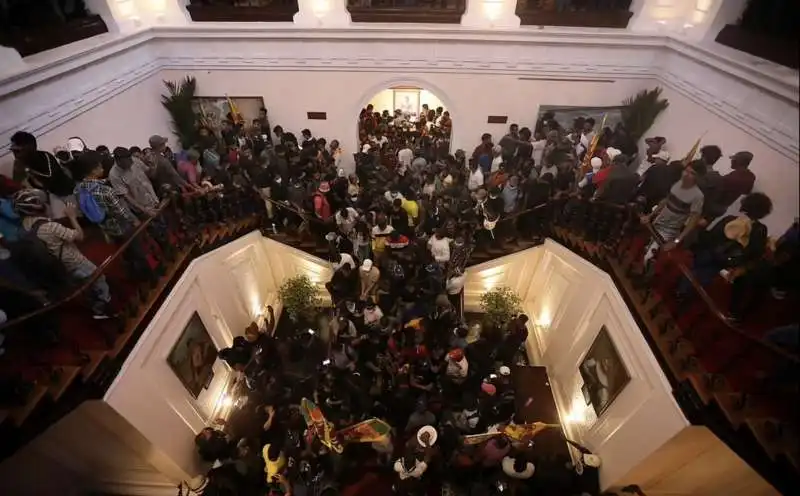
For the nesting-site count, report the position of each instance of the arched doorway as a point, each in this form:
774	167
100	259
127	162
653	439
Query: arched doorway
405	115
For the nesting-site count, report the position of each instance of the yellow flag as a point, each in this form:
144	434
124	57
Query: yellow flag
693	152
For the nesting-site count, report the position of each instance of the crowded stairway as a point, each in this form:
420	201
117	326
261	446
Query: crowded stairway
389	390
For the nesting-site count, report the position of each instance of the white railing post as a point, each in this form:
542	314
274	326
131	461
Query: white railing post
491	14
322	14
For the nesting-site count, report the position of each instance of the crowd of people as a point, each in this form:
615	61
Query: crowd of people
401	229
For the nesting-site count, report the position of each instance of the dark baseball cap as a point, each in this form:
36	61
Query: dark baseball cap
744	156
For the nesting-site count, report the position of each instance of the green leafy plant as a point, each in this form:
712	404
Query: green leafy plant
640	111
179	105
299	297
500	305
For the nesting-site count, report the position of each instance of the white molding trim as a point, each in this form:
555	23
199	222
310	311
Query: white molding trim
619	55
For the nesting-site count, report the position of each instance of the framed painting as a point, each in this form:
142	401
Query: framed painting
212	111
603	372
407	101
192	357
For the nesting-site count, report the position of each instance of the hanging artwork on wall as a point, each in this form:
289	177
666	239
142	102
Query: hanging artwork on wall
603	372
192	357
407	101
212	111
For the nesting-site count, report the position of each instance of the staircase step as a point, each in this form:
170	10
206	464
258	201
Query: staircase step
96	357
132	323
66	376
21	413
764	432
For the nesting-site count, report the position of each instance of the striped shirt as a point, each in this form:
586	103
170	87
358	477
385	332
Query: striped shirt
59	240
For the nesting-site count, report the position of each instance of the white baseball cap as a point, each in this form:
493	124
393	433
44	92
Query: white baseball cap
75	145
504	370
367	265
428	429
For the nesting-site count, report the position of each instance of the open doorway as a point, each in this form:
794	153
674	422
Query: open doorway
405	117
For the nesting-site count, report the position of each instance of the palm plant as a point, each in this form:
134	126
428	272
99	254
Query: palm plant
179	105
639	112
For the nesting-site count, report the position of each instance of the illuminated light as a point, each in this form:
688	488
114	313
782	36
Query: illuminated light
493	9
320	8
327	361
157	6
311	331
226	401
127	10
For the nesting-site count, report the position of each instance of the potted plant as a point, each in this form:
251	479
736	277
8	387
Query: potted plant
179	105
299	298
500	305
639	112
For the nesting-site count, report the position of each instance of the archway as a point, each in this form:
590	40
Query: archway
401	114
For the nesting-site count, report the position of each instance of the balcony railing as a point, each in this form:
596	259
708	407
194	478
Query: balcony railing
242	10
575	13
416	11
767	29
33	26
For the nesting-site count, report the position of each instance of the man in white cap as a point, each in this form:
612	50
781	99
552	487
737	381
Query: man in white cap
368	276
597	164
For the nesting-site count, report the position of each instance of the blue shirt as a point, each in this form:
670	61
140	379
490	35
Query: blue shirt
10	223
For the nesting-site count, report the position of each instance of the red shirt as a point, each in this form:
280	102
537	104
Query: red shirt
600	176
735	184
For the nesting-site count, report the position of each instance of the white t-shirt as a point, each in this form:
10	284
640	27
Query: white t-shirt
405	156
455	284
372	316
538	151
345	260
475	180
347	225
440	248
457	369
416	471
508	469
496	163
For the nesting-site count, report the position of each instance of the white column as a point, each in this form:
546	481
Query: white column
322	14
120	16
162	12
10	60
491	14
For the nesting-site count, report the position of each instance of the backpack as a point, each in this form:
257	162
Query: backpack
89	206
40	264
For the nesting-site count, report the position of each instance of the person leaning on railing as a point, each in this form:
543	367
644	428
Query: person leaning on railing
733	246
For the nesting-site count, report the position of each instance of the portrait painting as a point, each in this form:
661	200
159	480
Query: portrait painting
212	111
603	372
193	355
407	101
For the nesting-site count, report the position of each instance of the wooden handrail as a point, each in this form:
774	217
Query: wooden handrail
712	305
87	283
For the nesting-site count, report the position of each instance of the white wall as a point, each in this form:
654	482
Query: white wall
777	175
228	288
475	73
568	300
575	299
343	94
